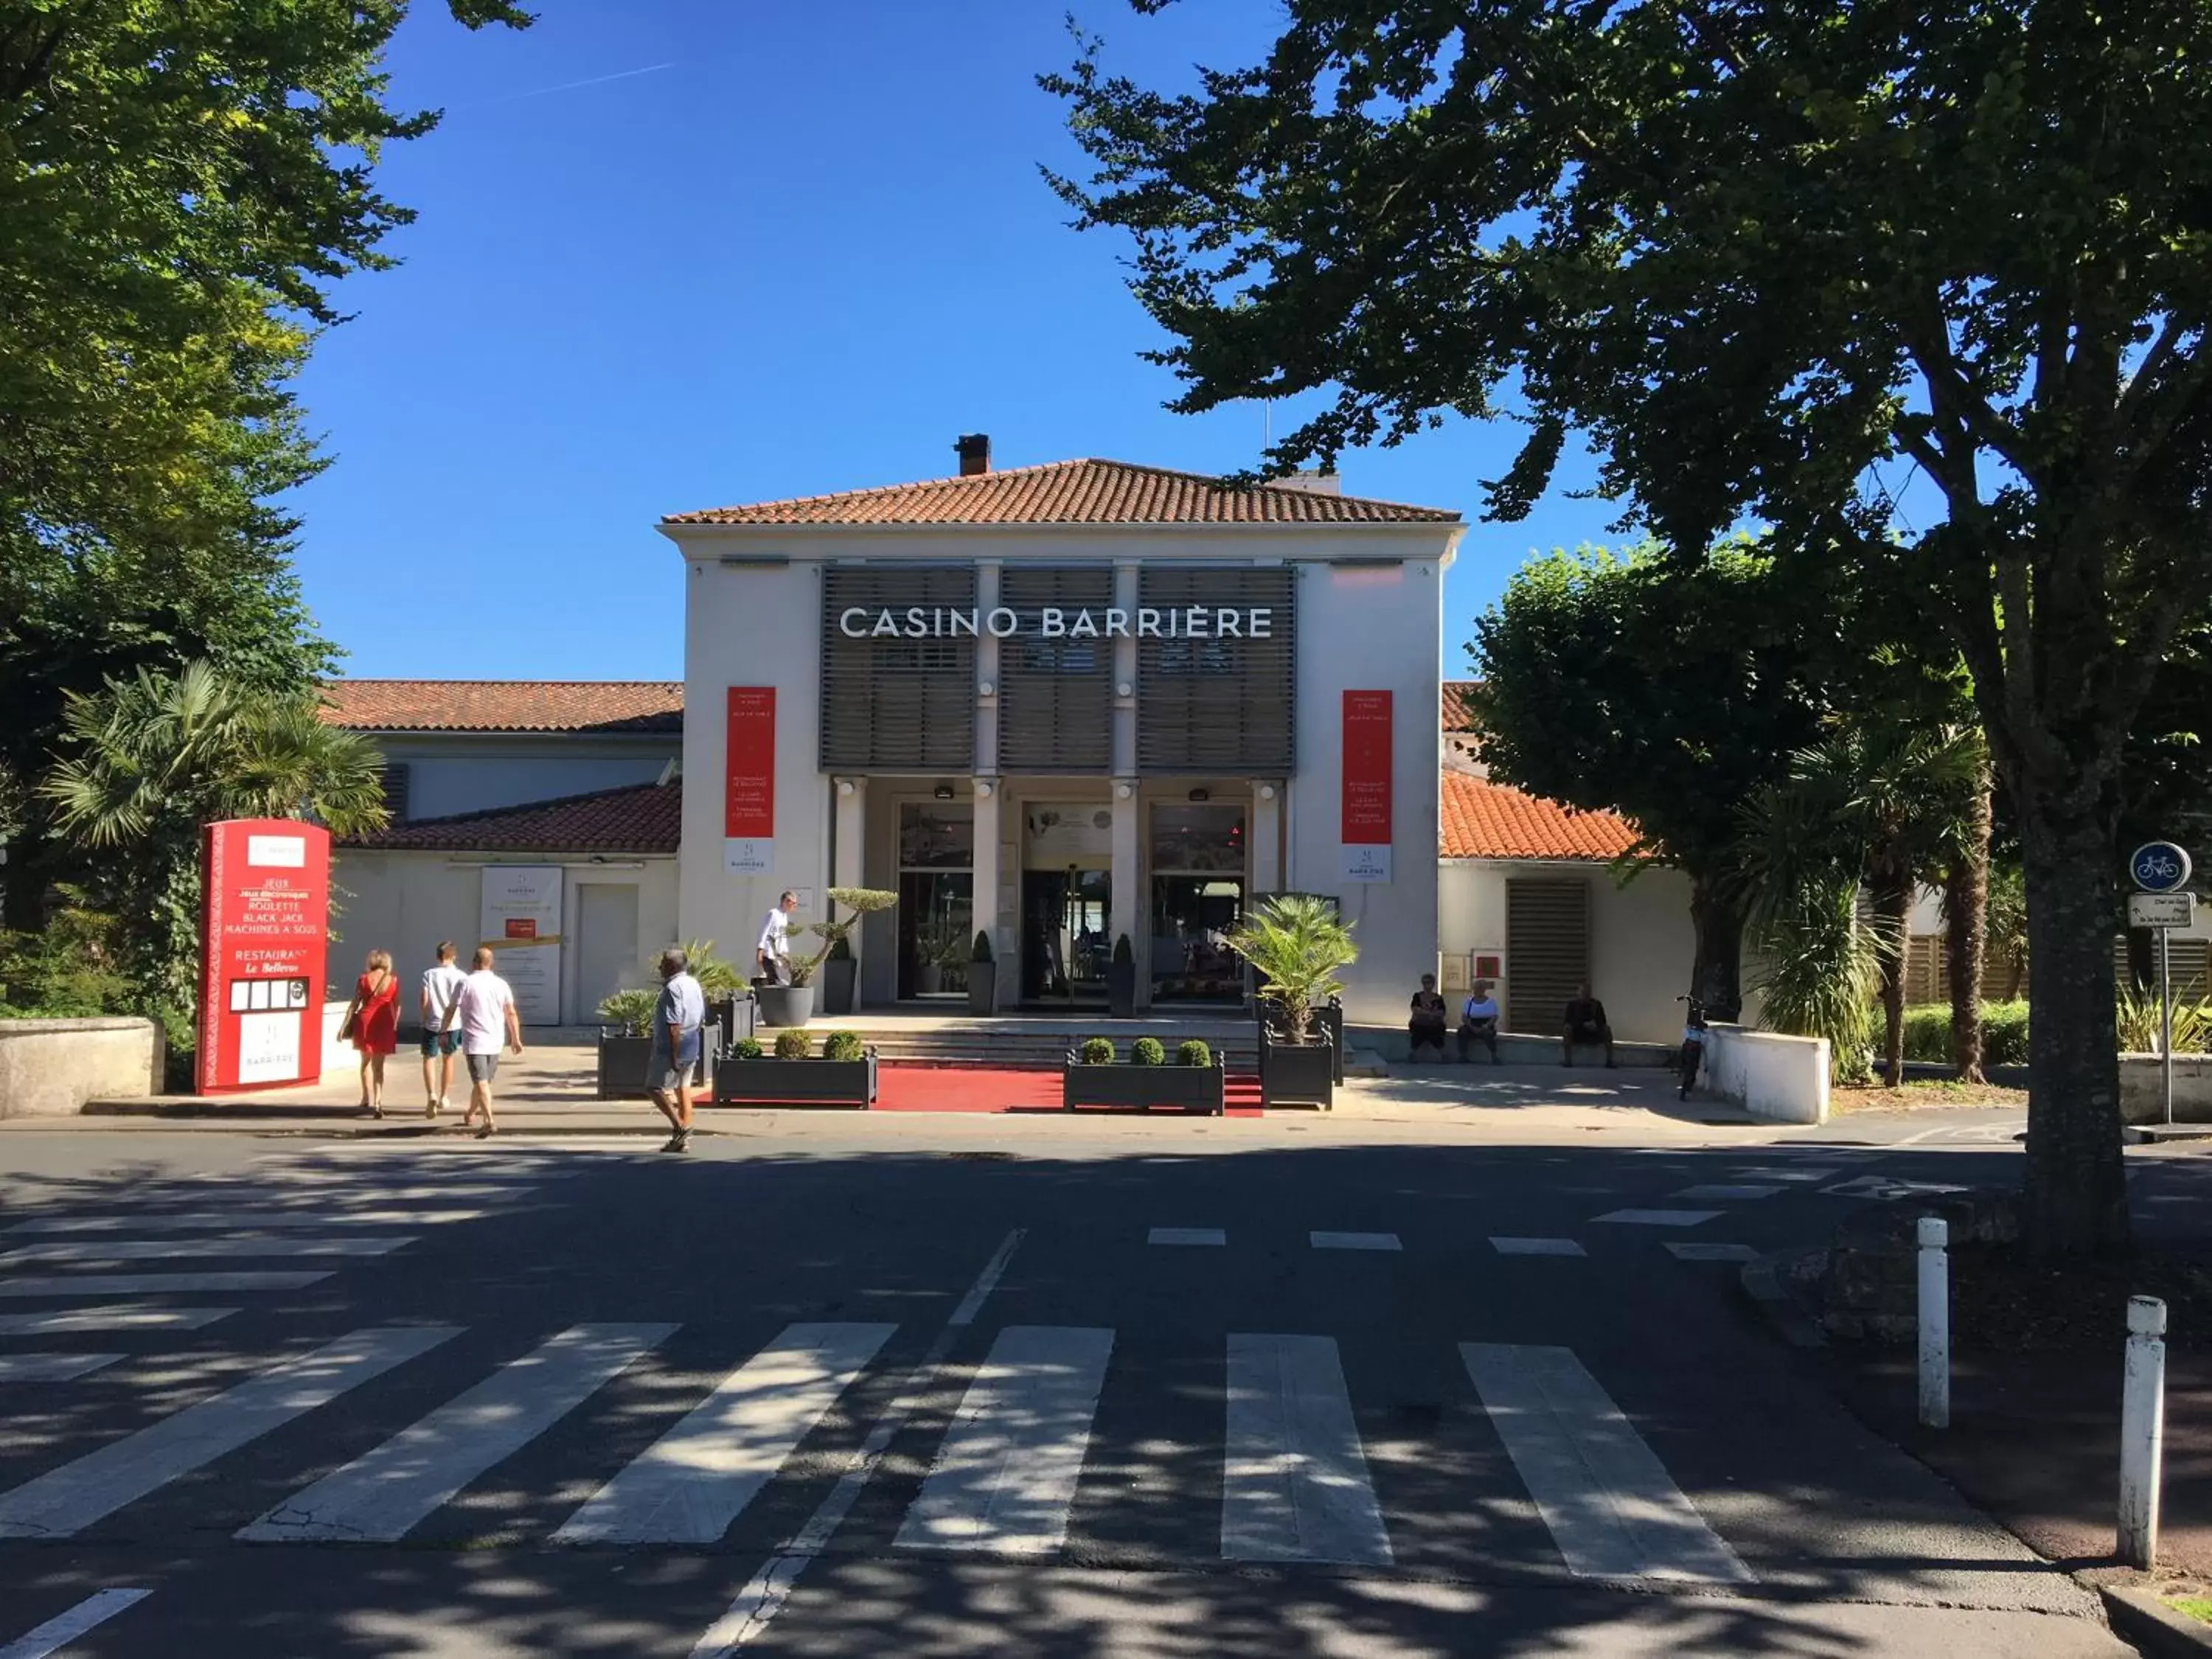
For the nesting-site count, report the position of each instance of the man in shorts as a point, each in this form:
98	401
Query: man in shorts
677	1022
441	1036
486	1008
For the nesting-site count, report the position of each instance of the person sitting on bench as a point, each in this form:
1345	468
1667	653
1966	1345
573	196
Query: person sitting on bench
1586	1024
1426	1029
1477	1022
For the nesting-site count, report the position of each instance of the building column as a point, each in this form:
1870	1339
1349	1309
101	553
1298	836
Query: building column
1267	837
986	876
1131	909
849	868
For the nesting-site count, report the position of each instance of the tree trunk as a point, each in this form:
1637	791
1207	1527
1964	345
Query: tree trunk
1966	907
1892	910
1717	974
2074	1200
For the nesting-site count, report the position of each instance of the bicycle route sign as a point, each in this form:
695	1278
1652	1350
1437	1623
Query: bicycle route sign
2159	867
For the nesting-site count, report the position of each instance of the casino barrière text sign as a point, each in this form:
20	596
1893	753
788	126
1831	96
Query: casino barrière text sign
1181	621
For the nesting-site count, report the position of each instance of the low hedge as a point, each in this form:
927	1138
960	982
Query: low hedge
2004	1033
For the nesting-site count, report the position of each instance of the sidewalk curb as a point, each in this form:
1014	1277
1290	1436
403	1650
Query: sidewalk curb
2153	1627
1762	1283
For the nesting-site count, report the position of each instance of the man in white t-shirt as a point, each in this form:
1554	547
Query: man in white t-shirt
485	1009
441	1036
773	952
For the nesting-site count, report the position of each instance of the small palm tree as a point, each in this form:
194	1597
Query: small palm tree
1295	943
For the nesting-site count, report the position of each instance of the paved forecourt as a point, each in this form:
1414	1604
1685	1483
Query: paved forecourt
600	1403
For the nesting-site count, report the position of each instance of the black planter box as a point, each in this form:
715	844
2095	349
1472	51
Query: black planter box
1128	1088
983	987
1325	1022
840	985
1121	990
771	1082
1296	1075
623	1060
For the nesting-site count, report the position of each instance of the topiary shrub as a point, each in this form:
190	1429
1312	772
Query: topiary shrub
842	1045
1194	1053
791	1044
1147	1051
747	1048
982	950
1096	1051
1124	955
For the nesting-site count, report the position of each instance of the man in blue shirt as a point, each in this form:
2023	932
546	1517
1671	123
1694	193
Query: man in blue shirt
677	1020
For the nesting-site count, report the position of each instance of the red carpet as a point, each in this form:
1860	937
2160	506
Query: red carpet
950	1088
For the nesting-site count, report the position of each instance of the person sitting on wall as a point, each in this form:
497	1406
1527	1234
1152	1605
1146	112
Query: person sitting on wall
1477	1022
1586	1024
1426	1029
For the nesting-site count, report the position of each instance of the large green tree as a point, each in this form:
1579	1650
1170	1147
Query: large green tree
1767	256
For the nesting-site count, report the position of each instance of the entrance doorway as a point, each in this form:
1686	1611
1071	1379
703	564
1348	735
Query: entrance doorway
1198	897
936	914
1066	942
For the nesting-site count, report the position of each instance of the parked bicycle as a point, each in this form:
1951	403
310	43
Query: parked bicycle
1691	1055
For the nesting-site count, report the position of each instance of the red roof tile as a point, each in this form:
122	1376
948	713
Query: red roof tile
505	705
1483	820
641	818
1459	715
1073	492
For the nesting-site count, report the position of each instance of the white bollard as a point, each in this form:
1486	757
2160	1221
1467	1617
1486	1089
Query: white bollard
1935	1322
2143	1431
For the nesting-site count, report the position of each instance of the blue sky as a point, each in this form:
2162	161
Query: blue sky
801	251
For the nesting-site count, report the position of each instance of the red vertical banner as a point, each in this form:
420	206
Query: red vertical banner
1366	813
749	782
263	927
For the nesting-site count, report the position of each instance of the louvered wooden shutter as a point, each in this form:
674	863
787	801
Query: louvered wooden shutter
1546	952
1219	705
897	705
1056	696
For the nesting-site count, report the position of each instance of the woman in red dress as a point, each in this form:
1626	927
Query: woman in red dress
375	1020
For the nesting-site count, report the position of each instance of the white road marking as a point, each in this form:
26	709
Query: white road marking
1726	1190
692	1483
339	1200
1887	1190
1294	1485
768	1590
63	1628
1658	1218
1612	1507
64	1321
1006	1471
164	1250
1355	1241
379	1496
153	1284
1768	1173
1537	1247
64	1501
193	1221
51	1367
1186	1235
1699	1252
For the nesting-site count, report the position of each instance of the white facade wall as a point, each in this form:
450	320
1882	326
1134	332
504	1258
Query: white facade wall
1642	945
753	618
406	902
454	772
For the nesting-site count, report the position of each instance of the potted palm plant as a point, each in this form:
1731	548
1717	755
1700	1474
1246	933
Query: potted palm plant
1296	942
626	1047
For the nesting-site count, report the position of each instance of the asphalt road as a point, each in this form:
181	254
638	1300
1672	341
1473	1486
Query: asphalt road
848	1393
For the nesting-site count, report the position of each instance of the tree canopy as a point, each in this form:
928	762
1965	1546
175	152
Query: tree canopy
1768	257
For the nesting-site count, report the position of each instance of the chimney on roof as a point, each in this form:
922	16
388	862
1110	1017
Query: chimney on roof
1313	482
974	451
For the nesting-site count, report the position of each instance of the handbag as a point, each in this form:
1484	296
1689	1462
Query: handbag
352	1024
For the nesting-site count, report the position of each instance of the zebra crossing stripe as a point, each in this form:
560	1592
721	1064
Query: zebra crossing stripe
193	1221
67	1320
51	1367
66	1500
63	1628
1006	1472
380	1496
153	1284
165	1249
692	1483
1295	1485
1611	1506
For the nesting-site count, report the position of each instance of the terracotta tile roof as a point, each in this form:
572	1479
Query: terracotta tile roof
1073	492
1458	715
1483	820
505	705
643	817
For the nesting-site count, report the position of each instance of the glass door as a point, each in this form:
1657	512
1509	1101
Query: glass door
1197	898
1067	904
937	899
